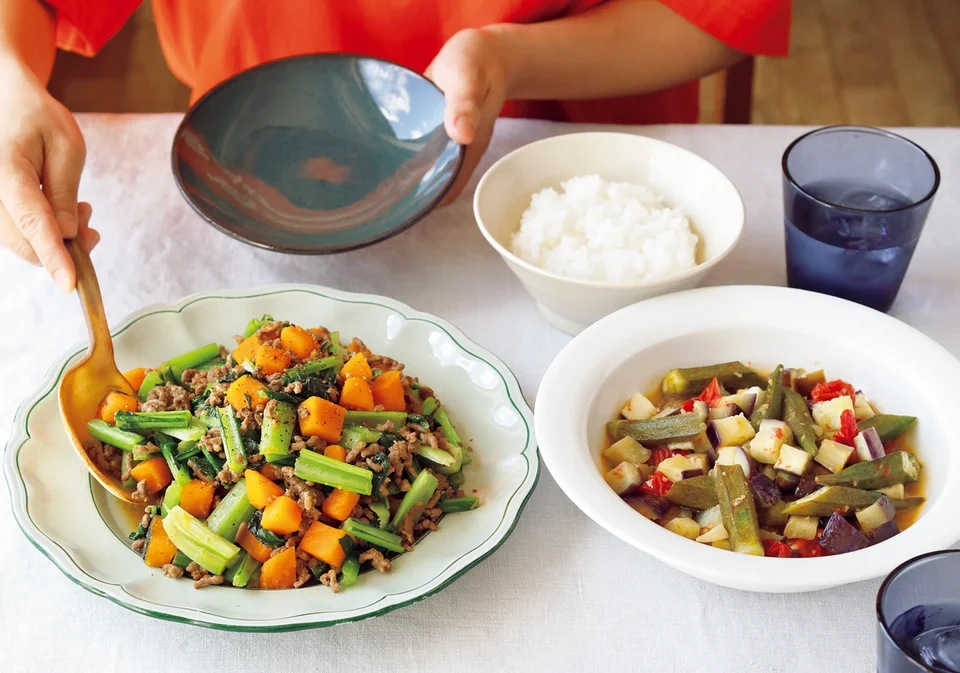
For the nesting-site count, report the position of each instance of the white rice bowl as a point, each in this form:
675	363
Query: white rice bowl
617	232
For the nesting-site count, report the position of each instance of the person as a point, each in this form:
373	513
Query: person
602	61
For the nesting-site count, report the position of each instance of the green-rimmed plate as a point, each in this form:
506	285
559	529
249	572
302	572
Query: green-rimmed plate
83	530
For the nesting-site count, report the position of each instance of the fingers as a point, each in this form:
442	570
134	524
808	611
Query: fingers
62	166
88	237
34	220
462	114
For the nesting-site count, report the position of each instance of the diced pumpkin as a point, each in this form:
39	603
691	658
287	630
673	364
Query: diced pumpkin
339	504
280	571
115	402
298	341
321	418
196	497
246	349
135	377
357	394
245	392
323	542
155	472
357	366
336	452
282	516
388	391
260	490
272	360
158	549
257	549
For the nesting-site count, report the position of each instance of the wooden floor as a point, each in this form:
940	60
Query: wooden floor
875	62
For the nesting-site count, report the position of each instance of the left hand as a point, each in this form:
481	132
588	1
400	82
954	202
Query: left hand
471	73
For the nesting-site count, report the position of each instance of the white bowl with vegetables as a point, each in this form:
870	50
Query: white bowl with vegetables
816	485
84	531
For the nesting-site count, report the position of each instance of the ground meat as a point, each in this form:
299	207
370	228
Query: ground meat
330	579
194	380
354	453
172	571
313	443
270	333
126	464
195	571
430	439
208	579
401	456
197	471
145	519
168	397
383	362
322	334
212	442
303	573
405	529
217	394
404	485
425	524
386	427
107	458
142	492
250	419
294	388
299	490
138	545
228	476
374	465
377	560
432	513
434	499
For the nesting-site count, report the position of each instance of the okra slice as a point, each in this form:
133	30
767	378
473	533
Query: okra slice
692	381
797	416
698	493
888	426
829	499
738	510
657	431
772	401
899	467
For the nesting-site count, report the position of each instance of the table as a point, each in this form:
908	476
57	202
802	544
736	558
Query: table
561	594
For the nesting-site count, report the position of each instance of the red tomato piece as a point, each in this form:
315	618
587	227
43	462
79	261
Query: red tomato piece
808	548
658	456
658	484
688	405
711	393
777	549
831	390
848	428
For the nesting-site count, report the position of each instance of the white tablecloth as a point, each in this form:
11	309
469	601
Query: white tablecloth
561	594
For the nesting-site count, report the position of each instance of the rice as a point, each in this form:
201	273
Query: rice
608	231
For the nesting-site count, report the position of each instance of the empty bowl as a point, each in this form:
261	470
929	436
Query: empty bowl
317	153
708	199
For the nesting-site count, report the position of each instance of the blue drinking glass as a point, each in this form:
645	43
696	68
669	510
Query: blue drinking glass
918	616
855	200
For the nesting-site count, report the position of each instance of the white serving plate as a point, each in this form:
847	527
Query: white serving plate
82	530
899	368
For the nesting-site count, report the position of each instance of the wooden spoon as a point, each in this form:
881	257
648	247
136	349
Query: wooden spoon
86	383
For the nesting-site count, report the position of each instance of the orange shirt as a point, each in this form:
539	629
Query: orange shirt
207	41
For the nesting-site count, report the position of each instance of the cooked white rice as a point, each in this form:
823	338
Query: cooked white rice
610	231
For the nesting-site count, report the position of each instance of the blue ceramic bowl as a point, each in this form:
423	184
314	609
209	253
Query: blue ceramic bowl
316	154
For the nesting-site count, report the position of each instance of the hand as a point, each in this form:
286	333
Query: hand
40	144
470	71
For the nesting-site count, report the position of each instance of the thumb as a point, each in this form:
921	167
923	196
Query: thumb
463	95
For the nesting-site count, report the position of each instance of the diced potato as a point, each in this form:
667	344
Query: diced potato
682	446
896	491
793	460
646	470
688	528
639	408
769	535
673	467
833	455
801	527
827	414
701	443
627	450
723	544
862	409
709	518
765	447
699	461
712	534
732	431
770	471
623	478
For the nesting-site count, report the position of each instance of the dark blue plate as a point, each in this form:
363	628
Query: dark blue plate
316	154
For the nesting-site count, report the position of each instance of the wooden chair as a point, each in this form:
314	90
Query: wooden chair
732	97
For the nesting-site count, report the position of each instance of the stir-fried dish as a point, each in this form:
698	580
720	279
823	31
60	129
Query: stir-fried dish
289	459
785	465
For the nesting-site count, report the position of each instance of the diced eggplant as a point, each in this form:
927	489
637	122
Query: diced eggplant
624	479
699	461
899	467
765	491
735	455
638	408
808	482
833	455
793	460
773	434
877	514
869	446
651	506
862	410
669	410
839	536
701	444
713	534
626	450
896	492
710	517
688	528
698	493
725	411
801	527
808	381
690	474
773	517
746	401
672	468
730	431
788	378
702	410
883	532
827	414
685	445
787	482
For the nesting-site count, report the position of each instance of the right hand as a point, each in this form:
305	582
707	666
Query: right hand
41	158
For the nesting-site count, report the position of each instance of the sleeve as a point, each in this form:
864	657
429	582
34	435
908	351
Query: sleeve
751	26
84	26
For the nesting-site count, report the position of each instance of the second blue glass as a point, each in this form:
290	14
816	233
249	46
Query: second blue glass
855	202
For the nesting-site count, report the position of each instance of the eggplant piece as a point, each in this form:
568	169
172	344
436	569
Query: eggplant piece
735	455
724	411
899	467
691	474
895	492
691	381
787	378
833	455
702	410
806	383
624	479
787	482
765	491
700	461
862	409
773	517
868	445
638	408
801	527
730	431
840	537
808	482
651	506
888	426
877	514
884	532
685	445
698	493
794	460
669	410
772	434
657	431
626	450
674	467
746	400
